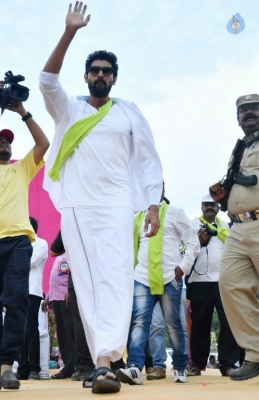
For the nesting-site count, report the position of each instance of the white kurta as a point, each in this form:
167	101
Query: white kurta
145	166
97	174
177	227
207	266
112	172
38	260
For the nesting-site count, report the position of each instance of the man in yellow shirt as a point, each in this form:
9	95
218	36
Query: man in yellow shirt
16	235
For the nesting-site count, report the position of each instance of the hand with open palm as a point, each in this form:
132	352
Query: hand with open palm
76	18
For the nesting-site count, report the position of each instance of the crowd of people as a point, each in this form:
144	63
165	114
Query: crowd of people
117	266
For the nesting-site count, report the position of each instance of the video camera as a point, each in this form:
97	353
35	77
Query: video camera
210	232
12	90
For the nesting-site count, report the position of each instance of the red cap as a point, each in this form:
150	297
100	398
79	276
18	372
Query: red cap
8	134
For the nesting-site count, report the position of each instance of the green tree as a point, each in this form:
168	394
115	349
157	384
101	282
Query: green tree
215	324
167	341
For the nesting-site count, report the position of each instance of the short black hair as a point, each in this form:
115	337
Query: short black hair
164	198
34	224
102	55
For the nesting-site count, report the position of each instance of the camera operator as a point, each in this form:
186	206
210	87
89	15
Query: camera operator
204	293
16	235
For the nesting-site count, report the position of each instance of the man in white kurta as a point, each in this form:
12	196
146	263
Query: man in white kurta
112	172
205	296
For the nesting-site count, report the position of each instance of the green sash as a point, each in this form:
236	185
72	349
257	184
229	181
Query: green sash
222	231
155	248
74	135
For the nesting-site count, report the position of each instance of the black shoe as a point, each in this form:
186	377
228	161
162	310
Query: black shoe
227	372
189	371
59	375
9	380
20	377
195	371
81	375
116	365
34	375
248	370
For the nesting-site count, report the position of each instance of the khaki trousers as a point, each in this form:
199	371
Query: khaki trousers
239	282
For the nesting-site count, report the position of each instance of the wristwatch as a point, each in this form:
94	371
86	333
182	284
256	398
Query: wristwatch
27	116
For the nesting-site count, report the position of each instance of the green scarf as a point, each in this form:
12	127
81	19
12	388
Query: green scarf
74	135
222	231
155	248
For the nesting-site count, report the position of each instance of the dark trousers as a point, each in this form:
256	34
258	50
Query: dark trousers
84	359
30	351
15	259
148	357
204	297
65	335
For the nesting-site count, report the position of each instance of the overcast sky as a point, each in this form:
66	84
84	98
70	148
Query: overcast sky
177	62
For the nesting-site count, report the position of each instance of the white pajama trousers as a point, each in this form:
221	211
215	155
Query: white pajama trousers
99	246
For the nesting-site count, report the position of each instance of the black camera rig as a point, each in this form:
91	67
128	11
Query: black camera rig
11	90
210	232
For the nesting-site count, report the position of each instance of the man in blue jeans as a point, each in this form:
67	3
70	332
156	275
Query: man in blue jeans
158	277
155	352
156	347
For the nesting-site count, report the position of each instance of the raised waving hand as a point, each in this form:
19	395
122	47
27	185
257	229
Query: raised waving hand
76	17
75	20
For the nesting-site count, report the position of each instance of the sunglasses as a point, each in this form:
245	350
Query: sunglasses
107	71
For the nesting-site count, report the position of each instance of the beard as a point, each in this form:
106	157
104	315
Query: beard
99	91
5	155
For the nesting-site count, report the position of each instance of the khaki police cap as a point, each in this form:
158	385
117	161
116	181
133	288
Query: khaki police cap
249	98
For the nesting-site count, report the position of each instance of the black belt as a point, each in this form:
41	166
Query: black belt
247	216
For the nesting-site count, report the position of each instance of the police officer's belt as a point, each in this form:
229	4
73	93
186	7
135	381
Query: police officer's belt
247	216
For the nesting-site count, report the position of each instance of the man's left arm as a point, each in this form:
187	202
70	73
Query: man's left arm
40	252
184	227
146	168
40	139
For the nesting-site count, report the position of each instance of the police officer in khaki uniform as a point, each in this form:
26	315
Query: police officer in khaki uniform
239	275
